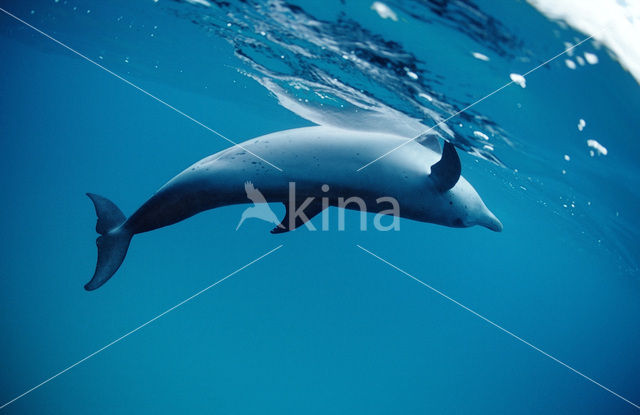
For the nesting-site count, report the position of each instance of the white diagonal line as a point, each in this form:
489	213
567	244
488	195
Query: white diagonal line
404	143
139	327
520	339
138	88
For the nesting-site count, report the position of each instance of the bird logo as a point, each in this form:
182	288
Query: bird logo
260	208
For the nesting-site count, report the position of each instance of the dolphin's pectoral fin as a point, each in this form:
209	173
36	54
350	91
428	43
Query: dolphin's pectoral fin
303	213
446	172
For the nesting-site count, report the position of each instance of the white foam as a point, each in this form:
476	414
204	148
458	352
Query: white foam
567	46
580	60
566	157
480	56
425	96
518	79
581	124
411	75
481	135
620	17
384	11
570	64
599	148
591	58
200	2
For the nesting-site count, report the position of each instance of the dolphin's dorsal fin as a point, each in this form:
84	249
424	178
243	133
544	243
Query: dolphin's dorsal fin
446	172
303	214
430	141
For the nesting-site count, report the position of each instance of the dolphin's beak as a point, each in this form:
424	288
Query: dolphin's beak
490	221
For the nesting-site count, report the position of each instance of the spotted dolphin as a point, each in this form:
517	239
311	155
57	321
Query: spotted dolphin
323	163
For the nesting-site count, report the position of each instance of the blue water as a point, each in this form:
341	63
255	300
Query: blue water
318	326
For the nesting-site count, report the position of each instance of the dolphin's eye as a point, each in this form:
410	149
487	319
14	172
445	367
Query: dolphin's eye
458	222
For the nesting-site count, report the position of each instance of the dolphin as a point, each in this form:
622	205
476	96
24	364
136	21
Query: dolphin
322	162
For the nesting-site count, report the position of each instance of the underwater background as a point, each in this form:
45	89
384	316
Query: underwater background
319	326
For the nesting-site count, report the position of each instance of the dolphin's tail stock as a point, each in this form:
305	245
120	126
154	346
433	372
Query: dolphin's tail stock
113	242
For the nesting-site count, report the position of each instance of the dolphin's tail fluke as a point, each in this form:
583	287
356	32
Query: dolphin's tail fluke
113	242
